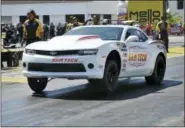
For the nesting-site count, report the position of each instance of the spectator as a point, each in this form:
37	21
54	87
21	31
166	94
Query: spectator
148	28
52	30
76	23
162	29
69	24
46	32
33	29
95	20
20	31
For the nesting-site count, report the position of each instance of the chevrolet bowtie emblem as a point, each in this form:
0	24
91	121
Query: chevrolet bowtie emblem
53	53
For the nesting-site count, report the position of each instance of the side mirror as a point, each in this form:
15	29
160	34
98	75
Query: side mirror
132	39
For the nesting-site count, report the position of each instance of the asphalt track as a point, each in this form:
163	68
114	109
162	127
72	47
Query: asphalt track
70	103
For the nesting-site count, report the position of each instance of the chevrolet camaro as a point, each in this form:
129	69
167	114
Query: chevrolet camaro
101	54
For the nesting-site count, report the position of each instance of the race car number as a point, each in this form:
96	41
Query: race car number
64	60
137	57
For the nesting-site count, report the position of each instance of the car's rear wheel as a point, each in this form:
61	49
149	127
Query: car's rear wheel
158	74
37	84
110	78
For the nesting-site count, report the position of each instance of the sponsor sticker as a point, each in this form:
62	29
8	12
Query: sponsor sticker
124	54
100	66
160	47
124	65
137	59
123	69
64	60
124	61
123	45
124	49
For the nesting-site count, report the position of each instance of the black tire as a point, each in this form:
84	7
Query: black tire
37	84
158	74
109	82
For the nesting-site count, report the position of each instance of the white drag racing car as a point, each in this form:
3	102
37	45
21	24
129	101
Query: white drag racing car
101	54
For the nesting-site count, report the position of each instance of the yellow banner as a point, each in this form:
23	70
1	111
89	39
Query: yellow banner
145	11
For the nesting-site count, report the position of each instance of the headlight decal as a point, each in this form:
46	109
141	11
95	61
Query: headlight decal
88	52
30	51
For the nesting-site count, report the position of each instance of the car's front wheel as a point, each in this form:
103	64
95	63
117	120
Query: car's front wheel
37	84
158	74
110	78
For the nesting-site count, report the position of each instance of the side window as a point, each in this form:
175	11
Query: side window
142	36
131	32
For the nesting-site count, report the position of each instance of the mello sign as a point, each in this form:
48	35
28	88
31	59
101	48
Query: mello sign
145	11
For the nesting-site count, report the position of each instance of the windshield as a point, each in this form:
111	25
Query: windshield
105	33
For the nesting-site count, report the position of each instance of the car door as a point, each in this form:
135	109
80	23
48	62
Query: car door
138	54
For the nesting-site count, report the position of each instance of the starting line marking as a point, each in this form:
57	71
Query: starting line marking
13	79
173	52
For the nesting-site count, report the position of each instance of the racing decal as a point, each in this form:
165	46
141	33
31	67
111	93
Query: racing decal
124	54
124	65
123	69
138	56
124	61
100	66
136	48
160	47
123	49
137	59
118	44
64	60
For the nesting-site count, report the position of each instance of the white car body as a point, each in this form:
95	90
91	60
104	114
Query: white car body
137	58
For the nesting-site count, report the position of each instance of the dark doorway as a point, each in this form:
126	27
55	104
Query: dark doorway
107	17
46	19
37	17
22	19
81	18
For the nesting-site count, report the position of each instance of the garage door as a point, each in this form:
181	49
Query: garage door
6	19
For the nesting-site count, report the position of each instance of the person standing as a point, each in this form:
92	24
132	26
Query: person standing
32	28
75	23
59	28
148	28
46	32
162	29
95	20
69	24
52	30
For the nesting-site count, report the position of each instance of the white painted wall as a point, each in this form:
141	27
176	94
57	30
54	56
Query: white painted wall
95	7
57	18
173	8
57	11
6	19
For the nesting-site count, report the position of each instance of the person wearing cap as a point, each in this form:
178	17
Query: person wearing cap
33	28
76	23
69	24
162	30
95	20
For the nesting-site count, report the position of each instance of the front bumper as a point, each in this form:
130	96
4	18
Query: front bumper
95	73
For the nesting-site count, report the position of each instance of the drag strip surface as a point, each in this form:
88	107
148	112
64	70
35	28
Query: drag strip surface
70	103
